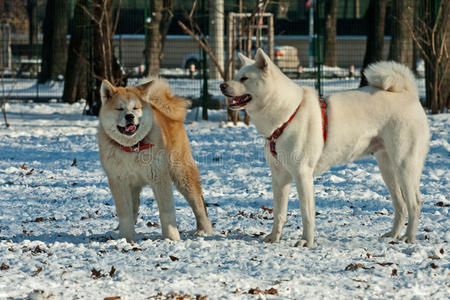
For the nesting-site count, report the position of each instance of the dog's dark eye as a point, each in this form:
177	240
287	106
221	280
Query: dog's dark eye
120	108
136	108
243	78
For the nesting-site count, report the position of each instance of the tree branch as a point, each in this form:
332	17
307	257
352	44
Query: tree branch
204	47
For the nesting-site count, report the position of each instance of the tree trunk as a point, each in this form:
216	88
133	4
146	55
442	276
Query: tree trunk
375	17
33	28
157	31
105	63
77	69
330	33
54	48
401	49
446	84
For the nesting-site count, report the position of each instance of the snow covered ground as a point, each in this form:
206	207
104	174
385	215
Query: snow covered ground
57	222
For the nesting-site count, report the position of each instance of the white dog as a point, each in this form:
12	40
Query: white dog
306	136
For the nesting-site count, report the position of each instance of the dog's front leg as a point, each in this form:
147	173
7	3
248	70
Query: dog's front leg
281	185
162	188
305	188
124	207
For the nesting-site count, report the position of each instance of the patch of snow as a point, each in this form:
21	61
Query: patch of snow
58	222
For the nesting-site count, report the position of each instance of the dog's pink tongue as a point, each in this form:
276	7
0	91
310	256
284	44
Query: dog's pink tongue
235	101
130	128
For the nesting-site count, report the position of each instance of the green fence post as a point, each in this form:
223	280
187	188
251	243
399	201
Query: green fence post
319	31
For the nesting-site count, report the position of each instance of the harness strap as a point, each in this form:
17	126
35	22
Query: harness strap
276	134
323	110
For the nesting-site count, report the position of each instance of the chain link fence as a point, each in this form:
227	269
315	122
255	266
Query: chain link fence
297	48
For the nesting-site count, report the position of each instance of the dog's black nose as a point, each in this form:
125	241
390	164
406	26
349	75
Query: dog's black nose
223	86
129	117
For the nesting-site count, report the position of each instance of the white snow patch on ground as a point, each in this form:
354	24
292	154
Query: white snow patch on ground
57	222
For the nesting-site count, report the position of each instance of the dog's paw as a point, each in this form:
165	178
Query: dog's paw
391	234
304	243
128	236
408	239
172	234
203	232
272	238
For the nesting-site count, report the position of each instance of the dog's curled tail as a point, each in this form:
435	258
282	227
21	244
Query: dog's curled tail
391	76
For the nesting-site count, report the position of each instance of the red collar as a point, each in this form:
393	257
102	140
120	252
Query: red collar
276	134
136	148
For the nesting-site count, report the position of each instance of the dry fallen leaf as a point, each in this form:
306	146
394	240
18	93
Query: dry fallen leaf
434	257
385	264
4	267
269	210
271	291
353	267
258	234
434	266
173	258
95	274
394	272
37	250
112	298
37	271
112	271
254	291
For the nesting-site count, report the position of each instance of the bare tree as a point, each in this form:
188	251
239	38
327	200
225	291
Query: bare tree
430	33
401	48
157	28
106	65
33	28
375	17
54	48
330	33
77	69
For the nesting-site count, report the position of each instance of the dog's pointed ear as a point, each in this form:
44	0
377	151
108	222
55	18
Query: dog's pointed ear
106	90
145	88
245	60
262	60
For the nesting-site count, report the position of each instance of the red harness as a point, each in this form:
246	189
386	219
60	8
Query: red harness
276	134
323	110
136	148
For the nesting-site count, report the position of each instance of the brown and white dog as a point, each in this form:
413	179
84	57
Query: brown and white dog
142	141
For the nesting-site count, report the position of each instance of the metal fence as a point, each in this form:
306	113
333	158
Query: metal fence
293	52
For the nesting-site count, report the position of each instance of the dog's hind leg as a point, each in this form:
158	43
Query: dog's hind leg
408	162
162	188
186	178
409	185
124	207
391	181
281	185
